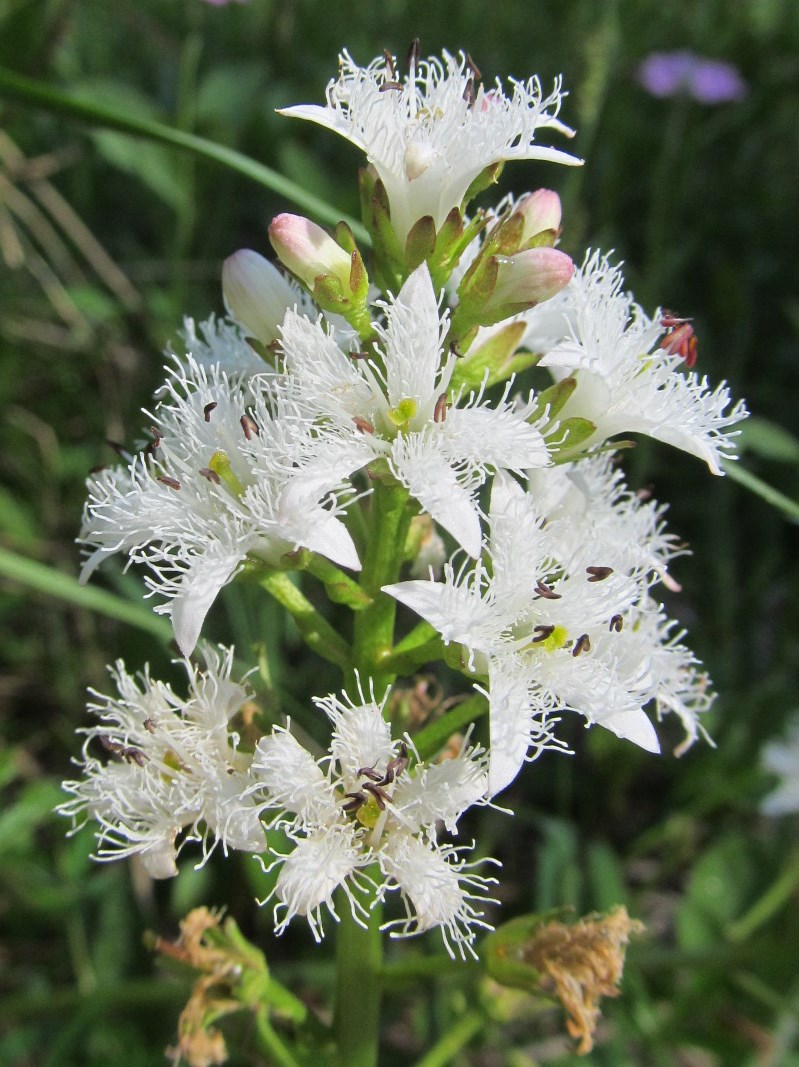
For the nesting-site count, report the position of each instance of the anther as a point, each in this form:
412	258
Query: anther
98	469
363	424
370	773
208	409
149	726
547	593
389	61
582	644
616	624
250	427
440	410
386	86
211	475
599	574
454	350
156	441
380	795
644	493
469	95
117	447
543	633
470	63
413	53
173	483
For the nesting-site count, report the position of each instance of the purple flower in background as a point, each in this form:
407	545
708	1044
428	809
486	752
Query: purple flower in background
710	81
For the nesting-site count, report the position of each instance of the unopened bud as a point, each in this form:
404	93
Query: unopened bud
541	213
530	277
308	251
256	294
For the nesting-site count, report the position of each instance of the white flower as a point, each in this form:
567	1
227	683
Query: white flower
361	806
221	344
594	331
235	470
781	758
396	405
171	764
432	133
562	620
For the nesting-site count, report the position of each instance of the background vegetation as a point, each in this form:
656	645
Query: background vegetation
106	241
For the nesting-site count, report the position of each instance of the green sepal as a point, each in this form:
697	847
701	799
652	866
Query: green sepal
494	361
345	238
420	242
389	258
359	280
329	293
487	177
379	471
503	950
543	239
551	400
568	435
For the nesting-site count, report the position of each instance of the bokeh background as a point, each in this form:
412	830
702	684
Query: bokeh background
107	241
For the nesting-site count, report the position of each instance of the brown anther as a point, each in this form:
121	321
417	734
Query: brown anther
250	427
616	624
359	355
470	63
440	410
363	424
173	483
547	593
387	86
208	409
149	725
117	447
156	441
134	755
381	796
454	350
357	799
211	475
582	644
98	469
543	632
598	574
389	61
414	52
644	494
370	773
113	747
469	94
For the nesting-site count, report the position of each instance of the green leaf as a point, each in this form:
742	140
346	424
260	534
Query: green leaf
55	583
37	94
767	439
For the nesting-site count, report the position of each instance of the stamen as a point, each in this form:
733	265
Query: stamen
117	447
469	94
413	55
389	61
149	726
211	475
208	409
173	483
543	633
470	63
381	796
369	772
547	593
250	427
582	644
599	574
386	86
363	424
440	410
616	624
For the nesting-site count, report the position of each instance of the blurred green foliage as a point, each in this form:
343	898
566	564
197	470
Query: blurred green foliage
106	241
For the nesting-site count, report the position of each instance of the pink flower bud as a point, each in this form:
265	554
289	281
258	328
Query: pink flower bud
256	294
308	251
531	277
540	211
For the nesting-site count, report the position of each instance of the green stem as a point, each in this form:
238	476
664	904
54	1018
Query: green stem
316	631
339	586
778	893
434	736
359	958
778	500
389	519
456	1038
275	1048
27	91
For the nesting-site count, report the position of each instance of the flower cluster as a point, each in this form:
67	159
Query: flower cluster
361	417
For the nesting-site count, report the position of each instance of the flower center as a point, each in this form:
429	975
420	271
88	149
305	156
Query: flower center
403	413
221	466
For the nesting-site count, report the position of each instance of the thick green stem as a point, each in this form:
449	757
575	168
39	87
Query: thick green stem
272	1044
457	1037
434	736
317	632
359	958
374	626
